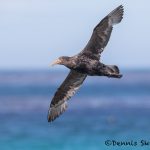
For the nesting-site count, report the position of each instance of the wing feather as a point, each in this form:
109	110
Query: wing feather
101	34
65	92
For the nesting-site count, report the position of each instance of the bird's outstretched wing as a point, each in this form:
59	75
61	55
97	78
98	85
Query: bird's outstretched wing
101	33
65	91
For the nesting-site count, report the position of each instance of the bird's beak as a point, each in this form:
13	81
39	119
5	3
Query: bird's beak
57	61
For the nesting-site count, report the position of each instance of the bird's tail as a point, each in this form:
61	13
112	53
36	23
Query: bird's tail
112	71
116	15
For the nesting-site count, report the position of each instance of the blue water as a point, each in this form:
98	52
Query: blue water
103	109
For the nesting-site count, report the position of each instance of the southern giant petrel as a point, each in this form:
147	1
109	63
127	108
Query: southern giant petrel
87	62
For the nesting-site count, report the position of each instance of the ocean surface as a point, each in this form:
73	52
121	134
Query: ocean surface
104	114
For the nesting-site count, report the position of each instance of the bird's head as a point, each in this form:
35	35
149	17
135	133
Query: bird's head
63	60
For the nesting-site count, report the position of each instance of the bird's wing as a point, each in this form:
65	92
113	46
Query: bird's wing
65	91
101	34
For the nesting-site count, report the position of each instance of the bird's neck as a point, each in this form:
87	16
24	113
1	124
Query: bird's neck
70	62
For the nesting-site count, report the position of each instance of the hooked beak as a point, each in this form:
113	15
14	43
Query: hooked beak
57	61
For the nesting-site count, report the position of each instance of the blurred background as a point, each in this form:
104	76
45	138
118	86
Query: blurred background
32	34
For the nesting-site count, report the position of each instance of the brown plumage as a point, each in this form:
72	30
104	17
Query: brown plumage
87	62
64	92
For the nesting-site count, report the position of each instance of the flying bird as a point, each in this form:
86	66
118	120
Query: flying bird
85	63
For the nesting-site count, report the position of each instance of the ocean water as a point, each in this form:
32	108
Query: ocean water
104	114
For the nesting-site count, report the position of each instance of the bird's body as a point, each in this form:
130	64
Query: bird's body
82	64
91	67
86	63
